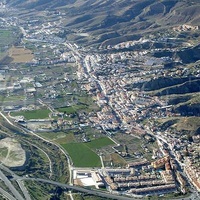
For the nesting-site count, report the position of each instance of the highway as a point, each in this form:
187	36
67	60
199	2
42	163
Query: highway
24	190
6	194
80	189
32	133
10	186
6	119
19	182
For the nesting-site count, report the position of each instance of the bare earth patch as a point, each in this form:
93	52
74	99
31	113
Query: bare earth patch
11	153
20	55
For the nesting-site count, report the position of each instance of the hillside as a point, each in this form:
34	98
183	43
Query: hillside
108	19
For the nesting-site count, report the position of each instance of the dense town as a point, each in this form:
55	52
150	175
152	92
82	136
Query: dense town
109	79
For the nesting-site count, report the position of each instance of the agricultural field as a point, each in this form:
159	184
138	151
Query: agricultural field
92	133
10	98
6	38
78	103
20	55
71	109
99	143
113	160
59	137
135	147
82	155
33	114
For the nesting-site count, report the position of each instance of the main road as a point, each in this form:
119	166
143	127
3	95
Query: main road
6	194
80	189
48	141
19	182
10	186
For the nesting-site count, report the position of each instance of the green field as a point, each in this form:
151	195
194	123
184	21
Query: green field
33	114
10	98
72	109
82	155
6	37
99	143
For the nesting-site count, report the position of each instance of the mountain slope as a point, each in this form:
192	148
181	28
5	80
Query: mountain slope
108	19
